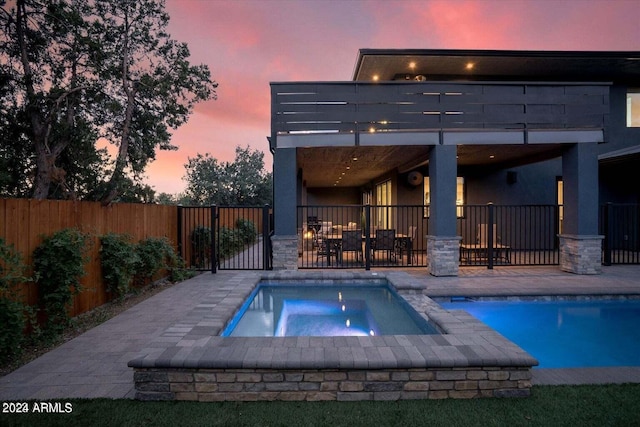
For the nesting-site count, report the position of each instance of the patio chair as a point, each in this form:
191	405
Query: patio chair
324	248
352	242
405	243
482	236
385	241
500	251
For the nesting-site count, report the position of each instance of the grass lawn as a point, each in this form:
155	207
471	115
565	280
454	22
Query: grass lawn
609	405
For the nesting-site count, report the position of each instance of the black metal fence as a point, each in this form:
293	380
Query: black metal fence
195	238
519	235
225	237
387	236
620	224
394	236
509	234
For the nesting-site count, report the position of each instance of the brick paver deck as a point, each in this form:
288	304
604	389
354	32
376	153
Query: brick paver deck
95	363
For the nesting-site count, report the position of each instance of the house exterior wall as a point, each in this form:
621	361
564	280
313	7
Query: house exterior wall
532	185
616	175
582	120
617	134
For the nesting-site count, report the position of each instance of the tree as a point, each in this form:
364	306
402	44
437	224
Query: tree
244	182
47	70
73	72
166	199
148	83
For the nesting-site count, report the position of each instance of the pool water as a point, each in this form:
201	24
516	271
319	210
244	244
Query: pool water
566	334
326	310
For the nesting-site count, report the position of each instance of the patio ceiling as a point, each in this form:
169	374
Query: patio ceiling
435	64
336	167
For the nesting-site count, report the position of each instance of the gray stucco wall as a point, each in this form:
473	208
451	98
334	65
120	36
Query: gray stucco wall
534	184
618	178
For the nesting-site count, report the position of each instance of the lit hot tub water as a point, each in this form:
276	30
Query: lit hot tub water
326	310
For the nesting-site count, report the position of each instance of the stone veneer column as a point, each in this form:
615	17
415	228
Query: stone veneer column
443	255
285	252
581	254
285	240
443	246
580	244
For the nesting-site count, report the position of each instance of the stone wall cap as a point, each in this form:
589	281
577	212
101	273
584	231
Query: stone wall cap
581	236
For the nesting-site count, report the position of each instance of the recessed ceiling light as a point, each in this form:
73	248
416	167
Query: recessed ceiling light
412	65
492	156
470	65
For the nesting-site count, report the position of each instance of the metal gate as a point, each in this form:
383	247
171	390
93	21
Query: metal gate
225	237
620	225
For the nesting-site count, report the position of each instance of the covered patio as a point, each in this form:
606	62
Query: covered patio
396	144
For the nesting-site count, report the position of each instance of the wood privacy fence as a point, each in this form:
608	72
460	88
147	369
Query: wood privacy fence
24	223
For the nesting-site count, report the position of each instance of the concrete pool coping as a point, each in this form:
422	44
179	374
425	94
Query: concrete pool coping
194	344
194	341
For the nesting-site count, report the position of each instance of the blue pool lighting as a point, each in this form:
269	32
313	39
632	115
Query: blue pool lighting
326	310
567	333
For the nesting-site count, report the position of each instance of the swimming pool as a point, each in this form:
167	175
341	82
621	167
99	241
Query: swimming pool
567	333
326	310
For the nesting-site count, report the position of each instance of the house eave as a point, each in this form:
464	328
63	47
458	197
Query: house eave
388	64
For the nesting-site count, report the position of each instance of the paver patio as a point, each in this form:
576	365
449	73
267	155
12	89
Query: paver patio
95	363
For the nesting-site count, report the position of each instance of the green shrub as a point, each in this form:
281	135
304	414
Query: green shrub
124	262
154	254
200	246
11	267
246	230
58	263
228	242
178	272
231	241
12	328
13	313
119	259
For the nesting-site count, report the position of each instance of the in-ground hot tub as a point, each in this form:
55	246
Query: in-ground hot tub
312	309
467	359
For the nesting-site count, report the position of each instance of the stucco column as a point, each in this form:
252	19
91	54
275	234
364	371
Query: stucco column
285	239
443	245
580	243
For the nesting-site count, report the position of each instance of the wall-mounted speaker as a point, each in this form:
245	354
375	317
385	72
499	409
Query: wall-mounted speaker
414	178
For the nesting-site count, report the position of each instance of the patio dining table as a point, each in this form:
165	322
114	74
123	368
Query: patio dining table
334	243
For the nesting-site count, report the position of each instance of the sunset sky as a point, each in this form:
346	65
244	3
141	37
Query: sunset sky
248	44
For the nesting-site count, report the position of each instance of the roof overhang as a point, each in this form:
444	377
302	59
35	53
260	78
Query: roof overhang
620	155
487	65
